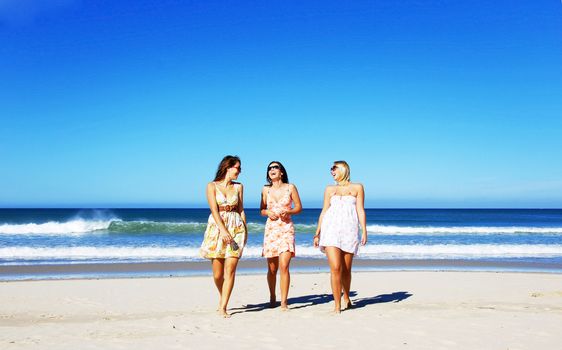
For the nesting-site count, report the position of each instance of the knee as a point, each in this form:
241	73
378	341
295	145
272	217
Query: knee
336	269
284	269
272	270
229	273
218	276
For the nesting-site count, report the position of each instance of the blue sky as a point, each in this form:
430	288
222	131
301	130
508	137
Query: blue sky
134	103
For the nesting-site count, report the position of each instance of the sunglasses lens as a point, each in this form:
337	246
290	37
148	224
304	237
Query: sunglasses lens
273	167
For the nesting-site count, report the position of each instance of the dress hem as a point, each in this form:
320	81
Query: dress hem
323	249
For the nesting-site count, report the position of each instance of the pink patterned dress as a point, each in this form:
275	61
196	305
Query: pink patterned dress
340	225
279	234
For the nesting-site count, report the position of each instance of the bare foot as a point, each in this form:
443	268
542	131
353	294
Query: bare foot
272	302
335	311
223	313
284	307
348	305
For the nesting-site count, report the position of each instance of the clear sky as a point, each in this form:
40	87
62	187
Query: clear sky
133	103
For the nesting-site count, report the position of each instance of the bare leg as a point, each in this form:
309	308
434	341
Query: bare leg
218	275
229	275
346	278
335	261
284	262
272	266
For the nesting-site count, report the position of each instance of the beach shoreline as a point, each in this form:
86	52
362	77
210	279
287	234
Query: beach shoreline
257	267
416	309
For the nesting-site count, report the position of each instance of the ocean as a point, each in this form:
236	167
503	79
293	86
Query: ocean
491	237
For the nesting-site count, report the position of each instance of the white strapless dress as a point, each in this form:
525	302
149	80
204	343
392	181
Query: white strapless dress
340	225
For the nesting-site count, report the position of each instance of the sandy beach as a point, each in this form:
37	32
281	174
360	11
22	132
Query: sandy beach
418	310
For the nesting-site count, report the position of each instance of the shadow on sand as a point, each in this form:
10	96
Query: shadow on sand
318	299
395	297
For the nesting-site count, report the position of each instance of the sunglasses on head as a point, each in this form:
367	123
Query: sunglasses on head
273	167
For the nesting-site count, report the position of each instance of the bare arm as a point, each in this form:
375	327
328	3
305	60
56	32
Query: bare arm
263	206
360	206
241	204
242	212
263	203
211	195
297	208
325	206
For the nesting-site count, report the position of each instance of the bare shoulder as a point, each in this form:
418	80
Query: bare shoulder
358	187
292	187
330	189
211	184
237	184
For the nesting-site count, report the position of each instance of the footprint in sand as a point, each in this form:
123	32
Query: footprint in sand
557	293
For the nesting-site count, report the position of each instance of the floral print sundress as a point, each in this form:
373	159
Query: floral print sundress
213	247
279	235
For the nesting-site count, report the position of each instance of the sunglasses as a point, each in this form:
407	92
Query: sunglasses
273	167
334	168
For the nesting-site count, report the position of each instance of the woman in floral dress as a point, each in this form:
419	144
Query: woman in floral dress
277	200
225	235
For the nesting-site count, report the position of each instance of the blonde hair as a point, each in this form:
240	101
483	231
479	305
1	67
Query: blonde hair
344	173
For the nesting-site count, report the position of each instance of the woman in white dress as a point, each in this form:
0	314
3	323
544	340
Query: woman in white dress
337	234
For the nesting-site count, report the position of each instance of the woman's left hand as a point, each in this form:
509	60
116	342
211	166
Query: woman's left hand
364	238
284	216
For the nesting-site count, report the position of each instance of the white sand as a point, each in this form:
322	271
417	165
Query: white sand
397	310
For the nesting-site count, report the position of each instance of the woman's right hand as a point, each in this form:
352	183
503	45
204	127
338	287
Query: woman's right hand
225	236
316	240
272	215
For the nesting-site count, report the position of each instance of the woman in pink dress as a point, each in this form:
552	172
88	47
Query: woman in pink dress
337	234
279	238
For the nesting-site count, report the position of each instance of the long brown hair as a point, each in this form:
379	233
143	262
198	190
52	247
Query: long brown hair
225	164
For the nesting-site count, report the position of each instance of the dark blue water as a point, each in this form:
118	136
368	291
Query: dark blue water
39	236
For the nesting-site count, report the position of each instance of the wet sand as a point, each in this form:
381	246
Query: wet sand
247	266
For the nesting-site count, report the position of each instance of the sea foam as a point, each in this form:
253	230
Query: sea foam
473	230
72	227
371	251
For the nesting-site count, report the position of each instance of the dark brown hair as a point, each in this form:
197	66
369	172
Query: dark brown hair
225	164
284	176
